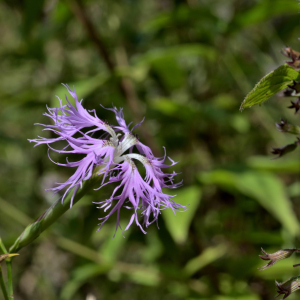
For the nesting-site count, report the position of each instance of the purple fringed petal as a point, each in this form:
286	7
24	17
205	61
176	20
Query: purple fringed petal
113	155
139	193
121	121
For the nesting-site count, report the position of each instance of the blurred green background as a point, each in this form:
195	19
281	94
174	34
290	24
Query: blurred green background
185	65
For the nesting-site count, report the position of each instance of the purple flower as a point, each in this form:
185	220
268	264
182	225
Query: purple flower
114	156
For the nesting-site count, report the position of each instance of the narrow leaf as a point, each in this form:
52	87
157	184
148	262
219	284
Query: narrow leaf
208	256
4	256
112	247
265	188
271	194
81	275
179	225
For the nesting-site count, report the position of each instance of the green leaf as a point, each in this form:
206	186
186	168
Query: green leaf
242	297
183	50
33	10
294	189
179	225
154	248
208	256
223	178
271	84
5	256
175	109
79	276
265	10
263	163
267	189
113	246
271	194
149	276
164	66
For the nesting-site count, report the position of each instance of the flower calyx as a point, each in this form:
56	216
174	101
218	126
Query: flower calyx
3	257
283	126
287	289
283	150
293	55
295	105
274	257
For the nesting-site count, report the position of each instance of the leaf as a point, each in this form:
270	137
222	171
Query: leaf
165	61
267	189
265	10
285	165
241	297
171	107
148	277
183	50
14	213
79	276
166	65
294	189
154	248
5	256
208	256
33	12
271	84
221	177
179	225
270	193
112	247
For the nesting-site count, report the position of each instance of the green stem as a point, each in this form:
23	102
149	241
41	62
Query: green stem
57	209
2	284
2	247
9	274
9	279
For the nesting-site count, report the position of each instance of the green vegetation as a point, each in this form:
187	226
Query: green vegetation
186	66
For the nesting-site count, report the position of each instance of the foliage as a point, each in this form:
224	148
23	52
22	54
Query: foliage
271	84
185	66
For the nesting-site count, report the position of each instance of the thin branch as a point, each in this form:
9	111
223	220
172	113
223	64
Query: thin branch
2	247
2	285
80	13
9	279
125	84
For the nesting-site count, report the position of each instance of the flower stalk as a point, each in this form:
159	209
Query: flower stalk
9	271
9	294
9	278
111	158
55	211
2	247
2	285
116	156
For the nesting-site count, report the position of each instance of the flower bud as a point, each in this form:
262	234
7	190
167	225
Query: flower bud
295	105
284	150
286	288
113	157
293	55
274	257
283	126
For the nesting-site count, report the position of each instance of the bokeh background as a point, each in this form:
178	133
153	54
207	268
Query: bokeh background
185	65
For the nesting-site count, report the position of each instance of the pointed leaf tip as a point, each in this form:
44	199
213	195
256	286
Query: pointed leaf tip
271	84
5	256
